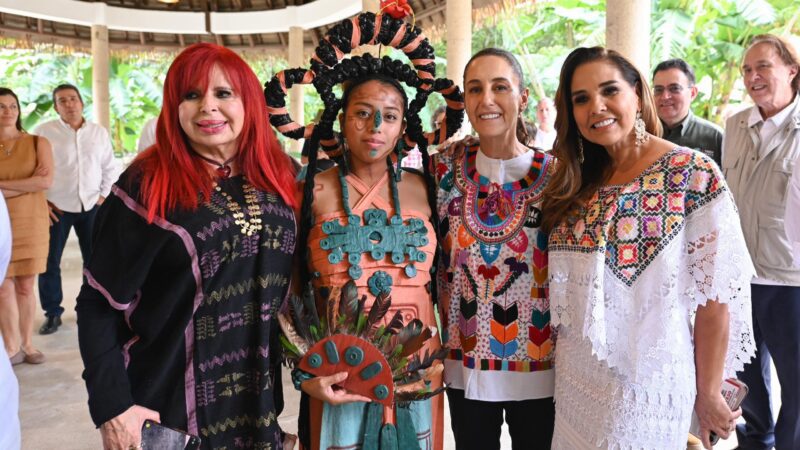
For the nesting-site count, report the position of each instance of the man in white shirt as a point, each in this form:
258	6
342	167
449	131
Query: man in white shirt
760	149
85	169
545	130
9	388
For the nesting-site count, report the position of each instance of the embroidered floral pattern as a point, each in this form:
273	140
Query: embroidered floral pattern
493	277
622	300
631	223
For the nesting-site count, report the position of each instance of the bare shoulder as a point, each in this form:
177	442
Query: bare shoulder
413	193
327	192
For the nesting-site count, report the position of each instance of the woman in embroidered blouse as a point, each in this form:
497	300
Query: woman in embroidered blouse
493	272
372	123
194	248
644	235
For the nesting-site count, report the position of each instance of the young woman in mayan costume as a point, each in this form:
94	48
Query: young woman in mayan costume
364	220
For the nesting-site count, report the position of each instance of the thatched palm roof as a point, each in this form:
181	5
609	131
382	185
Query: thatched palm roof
233	23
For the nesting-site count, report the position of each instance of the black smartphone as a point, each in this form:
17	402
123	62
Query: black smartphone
157	436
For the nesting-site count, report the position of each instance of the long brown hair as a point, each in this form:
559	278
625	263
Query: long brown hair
7	91
574	182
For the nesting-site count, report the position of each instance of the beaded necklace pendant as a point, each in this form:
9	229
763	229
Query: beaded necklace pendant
379	236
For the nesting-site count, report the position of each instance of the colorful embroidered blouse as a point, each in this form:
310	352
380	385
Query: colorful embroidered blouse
179	315
625	279
493	281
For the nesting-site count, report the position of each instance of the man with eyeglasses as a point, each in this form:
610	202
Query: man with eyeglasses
674	89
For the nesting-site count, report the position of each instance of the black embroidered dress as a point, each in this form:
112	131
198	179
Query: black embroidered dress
179	315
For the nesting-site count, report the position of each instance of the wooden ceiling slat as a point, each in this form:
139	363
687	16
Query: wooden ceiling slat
430	13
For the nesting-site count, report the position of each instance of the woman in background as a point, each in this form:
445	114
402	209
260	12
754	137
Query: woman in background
26	172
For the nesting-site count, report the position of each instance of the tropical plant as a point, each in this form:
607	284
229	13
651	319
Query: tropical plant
709	34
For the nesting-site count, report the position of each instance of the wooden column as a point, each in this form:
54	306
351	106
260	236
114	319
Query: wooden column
297	91
628	30
458	20
459	38
100	69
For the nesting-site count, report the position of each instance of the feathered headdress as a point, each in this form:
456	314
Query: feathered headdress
381	357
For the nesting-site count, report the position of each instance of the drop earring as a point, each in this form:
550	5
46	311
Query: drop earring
639	130
580	149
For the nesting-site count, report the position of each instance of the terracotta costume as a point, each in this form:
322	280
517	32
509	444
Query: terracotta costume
373	240
341	426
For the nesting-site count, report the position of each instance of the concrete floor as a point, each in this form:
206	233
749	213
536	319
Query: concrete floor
53	398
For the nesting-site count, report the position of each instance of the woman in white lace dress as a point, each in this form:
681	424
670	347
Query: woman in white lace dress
649	273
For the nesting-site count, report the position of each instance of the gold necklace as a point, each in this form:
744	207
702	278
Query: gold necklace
247	225
8	150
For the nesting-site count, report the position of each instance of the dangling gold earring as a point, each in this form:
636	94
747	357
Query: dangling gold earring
580	149
639	130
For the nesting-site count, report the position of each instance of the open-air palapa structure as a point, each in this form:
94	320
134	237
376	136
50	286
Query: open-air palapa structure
290	27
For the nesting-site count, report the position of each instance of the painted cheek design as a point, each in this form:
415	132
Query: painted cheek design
360	123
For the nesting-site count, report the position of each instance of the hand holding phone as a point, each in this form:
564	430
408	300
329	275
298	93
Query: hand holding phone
157	436
733	392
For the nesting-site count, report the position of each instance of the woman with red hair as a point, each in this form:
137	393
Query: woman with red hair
192	256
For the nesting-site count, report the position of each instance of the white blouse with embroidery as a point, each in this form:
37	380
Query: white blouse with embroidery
625	281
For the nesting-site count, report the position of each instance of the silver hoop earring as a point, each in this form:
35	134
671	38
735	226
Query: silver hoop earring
580	149
639	130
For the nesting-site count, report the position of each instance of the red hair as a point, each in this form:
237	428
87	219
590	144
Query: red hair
171	177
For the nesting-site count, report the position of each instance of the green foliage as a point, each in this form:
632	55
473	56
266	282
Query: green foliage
135	86
710	34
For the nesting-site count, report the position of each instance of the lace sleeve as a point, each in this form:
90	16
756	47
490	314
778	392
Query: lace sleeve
720	269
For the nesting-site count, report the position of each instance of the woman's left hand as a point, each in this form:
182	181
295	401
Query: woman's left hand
715	416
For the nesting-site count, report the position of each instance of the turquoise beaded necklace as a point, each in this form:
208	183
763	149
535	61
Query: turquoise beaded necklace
377	236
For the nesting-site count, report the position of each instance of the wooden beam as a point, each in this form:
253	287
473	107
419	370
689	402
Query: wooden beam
181	40
39	26
440	8
132	46
142	38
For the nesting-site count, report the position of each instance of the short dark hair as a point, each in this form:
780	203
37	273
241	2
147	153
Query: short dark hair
676	63
7	91
66	87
